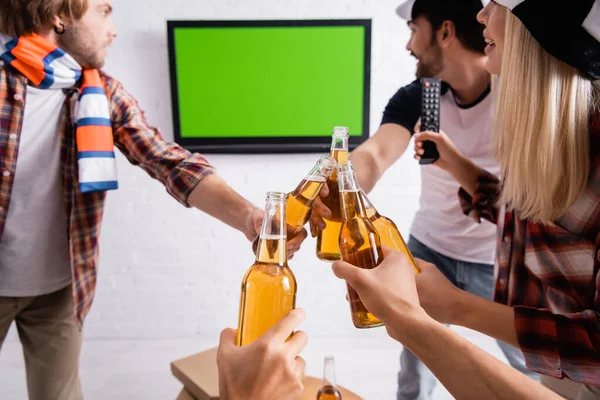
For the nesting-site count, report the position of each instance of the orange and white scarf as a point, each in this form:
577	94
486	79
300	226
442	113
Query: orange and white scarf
47	66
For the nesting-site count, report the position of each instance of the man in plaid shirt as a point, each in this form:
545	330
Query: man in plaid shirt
49	225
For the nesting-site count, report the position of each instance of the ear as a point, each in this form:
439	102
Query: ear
58	22
446	34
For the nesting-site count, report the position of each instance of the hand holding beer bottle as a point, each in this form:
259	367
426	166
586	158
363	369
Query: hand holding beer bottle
269	286
269	368
359	242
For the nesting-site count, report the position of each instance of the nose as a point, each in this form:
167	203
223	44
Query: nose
483	14
112	32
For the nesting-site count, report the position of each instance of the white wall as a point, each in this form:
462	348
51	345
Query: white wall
167	271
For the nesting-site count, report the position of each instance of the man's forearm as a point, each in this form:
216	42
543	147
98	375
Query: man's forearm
465	370
488	317
367	169
216	198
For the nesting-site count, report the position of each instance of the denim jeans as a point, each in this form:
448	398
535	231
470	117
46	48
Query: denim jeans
415	381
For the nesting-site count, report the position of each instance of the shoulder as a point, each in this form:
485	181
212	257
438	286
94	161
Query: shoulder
410	92
111	85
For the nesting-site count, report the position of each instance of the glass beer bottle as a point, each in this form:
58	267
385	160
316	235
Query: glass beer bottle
359	242
299	202
329	390
327	239
269	286
388	231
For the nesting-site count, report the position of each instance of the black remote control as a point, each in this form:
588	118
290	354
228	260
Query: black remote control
430	116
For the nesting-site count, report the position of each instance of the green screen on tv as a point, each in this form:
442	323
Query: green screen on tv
269	84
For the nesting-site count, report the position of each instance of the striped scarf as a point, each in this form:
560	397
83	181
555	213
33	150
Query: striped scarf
47	66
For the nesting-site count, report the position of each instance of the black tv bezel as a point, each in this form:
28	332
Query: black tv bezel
264	144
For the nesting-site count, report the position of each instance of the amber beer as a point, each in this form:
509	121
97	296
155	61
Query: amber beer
269	286
299	202
327	239
359	241
388	231
329	390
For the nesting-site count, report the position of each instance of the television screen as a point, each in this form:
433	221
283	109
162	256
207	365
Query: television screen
269	86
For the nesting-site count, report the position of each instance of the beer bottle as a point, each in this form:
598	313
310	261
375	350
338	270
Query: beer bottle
327	239
388	231
269	286
359	242
299	202
329	390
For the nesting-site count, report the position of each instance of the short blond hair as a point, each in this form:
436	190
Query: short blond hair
542	125
23	17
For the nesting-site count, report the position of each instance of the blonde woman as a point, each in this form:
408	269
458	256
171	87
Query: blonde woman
546	55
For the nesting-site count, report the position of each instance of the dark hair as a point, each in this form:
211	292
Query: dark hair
463	13
23	17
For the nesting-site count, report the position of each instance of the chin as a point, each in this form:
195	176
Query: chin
493	67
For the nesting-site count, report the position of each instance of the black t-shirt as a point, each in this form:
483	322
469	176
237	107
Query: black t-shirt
404	108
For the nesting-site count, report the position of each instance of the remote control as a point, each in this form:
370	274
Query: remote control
430	116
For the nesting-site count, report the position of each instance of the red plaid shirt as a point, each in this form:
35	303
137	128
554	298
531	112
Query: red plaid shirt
549	275
179	170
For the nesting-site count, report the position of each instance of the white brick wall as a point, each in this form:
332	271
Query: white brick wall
167	271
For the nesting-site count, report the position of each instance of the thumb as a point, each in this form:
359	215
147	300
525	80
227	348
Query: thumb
226	343
228	337
351	274
427	135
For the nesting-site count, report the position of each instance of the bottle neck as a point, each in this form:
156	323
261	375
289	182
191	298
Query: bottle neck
272	251
311	185
272	245
350	196
370	209
339	148
351	205
329	372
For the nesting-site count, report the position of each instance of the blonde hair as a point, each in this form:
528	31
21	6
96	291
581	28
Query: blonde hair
541	128
23	17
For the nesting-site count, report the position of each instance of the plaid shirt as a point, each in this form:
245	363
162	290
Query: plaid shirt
549	275
179	170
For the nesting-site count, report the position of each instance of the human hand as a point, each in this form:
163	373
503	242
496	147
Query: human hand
268	368
388	291
318	212
437	295
449	153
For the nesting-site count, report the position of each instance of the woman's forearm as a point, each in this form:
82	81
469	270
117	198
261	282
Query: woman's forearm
465	370
488	317
465	172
